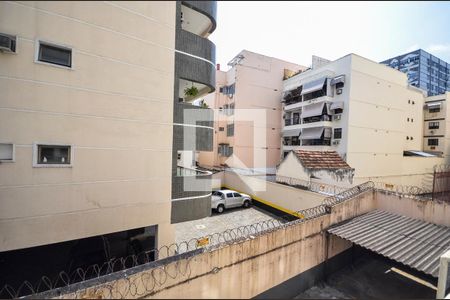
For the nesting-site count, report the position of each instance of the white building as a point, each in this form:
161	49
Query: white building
363	110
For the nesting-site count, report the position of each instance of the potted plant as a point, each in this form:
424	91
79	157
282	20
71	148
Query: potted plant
191	91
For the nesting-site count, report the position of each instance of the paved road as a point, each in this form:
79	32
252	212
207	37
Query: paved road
229	219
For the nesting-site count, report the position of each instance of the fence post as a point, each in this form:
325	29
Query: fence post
434	182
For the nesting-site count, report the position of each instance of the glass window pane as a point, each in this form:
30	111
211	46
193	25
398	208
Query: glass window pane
55	55
53	154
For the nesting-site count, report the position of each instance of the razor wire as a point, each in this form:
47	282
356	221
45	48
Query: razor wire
155	276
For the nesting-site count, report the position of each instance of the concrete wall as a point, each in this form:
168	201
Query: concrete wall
114	106
426	210
280	196
263	262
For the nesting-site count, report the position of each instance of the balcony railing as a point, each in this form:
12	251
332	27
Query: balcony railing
182	171
322	118
317	142
292	121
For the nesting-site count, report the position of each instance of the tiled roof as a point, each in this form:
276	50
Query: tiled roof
321	159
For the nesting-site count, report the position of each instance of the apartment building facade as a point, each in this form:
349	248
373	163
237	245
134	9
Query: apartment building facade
251	88
366	112
436	125
424	71
90	130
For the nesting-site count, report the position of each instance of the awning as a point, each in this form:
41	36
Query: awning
312	110
433	105
313	86
338	79
412	242
314	133
291	132
337	104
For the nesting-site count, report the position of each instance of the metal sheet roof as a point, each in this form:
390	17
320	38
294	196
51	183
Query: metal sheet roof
413	242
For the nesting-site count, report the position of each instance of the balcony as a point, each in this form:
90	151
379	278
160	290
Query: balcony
194	72
322	118
291	121
190	188
197	122
199	17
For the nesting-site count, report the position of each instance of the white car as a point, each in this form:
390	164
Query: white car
225	199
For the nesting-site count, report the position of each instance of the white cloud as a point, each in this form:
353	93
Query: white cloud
438	48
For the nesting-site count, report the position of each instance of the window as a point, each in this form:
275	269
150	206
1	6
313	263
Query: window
230	129
6	152
230	195
338	111
434	110
433	142
225	150
52	155
54	54
237	195
433	125
221	128
337	133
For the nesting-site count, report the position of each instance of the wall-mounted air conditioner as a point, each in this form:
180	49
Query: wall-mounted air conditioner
336	117
336	142
7	43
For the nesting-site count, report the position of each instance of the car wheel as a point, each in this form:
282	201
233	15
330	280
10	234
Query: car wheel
246	203
220	209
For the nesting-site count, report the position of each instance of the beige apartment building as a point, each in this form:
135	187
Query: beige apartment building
436	125
366	112
251	87
91	125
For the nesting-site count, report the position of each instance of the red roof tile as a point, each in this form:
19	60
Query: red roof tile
321	159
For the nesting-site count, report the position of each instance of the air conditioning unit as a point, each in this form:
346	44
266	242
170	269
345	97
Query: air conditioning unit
336	117
7	43
339	91
336	142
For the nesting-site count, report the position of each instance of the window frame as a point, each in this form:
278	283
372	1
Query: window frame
433	139
36	163
13	153
334	133
434	123
38	43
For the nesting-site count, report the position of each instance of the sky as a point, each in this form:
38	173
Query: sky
294	31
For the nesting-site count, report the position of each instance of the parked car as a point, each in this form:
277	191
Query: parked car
225	199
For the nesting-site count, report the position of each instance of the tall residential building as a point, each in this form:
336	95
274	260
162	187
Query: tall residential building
424	70
92	106
366	112
436	130
253	84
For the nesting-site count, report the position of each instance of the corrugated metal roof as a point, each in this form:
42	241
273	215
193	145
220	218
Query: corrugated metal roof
413	242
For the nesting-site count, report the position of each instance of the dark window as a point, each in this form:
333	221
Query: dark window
221	128
433	142
230	129
237	195
230	195
433	125
55	55
338	111
434	110
337	133
230	151
49	154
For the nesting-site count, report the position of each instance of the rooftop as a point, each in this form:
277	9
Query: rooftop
321	159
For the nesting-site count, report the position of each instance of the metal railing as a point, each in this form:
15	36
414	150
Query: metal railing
182	171
310	186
